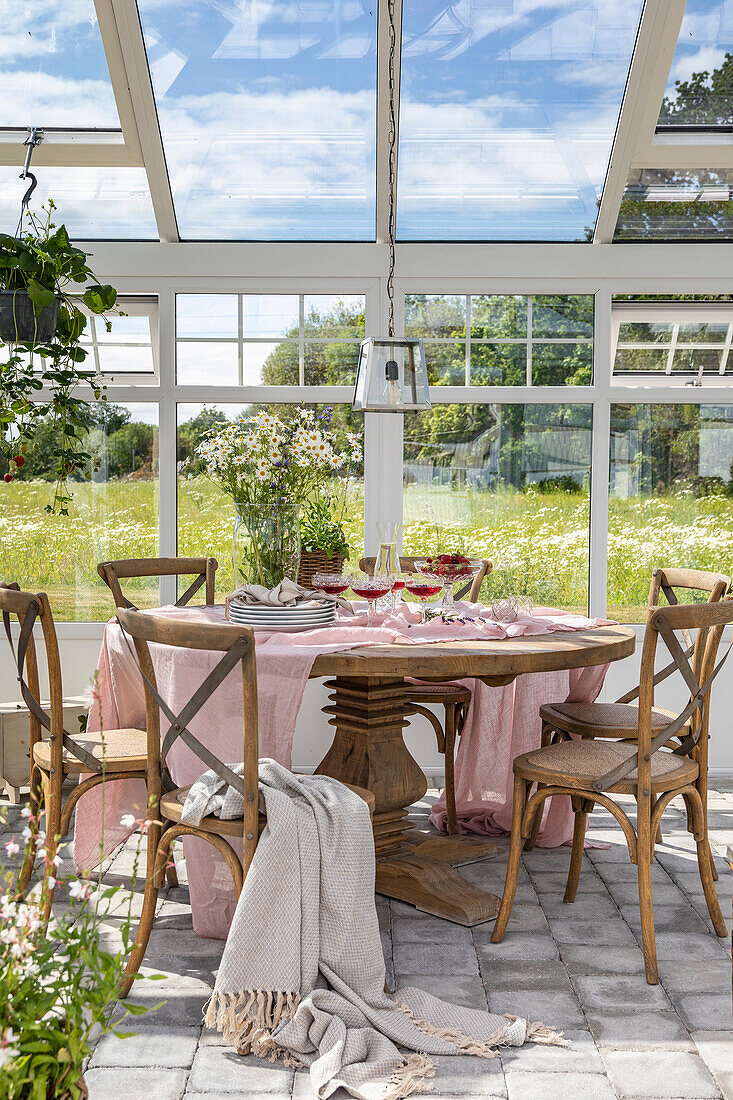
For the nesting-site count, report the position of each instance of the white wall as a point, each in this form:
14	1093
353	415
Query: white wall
313	734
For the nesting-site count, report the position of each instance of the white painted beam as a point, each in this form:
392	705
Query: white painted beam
655	43
122	36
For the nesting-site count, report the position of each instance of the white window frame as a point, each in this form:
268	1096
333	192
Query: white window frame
674	313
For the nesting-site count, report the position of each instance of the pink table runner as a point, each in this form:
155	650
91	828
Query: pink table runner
502	723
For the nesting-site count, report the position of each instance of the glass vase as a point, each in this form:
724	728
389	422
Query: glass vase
265	543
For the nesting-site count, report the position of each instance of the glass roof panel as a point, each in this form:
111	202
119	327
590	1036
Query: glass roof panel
53	70
507	115
267	113
700	87
93	203
676	205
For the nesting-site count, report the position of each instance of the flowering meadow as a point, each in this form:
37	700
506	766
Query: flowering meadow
538	542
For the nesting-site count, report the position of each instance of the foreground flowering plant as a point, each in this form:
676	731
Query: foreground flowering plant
59	983
268	459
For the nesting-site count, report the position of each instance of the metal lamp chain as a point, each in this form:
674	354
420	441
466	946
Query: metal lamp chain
392	144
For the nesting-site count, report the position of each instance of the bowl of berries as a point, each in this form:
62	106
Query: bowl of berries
453	569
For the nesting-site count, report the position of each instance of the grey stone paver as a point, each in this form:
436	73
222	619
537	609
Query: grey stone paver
578	967
660	1074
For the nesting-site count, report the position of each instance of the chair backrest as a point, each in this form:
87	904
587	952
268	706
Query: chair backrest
665	581
237	646
28	608
708	621
409	565
112	571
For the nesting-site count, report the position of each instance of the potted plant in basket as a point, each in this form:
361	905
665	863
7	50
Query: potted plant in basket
42	325
272	466
59	983
324	546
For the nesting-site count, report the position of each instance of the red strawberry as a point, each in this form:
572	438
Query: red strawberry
19	461
8	477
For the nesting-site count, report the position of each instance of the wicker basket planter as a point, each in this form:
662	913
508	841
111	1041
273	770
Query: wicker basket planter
316	561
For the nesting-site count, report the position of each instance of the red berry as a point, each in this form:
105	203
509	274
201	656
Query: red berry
19	461
8	477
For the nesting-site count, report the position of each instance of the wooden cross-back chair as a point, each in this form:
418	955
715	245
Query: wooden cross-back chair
617	721
106	756
166	802
112	572
592	770
454	698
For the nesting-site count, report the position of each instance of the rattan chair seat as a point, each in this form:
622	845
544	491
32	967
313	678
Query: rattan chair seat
438	693
122	750
585	761
601	719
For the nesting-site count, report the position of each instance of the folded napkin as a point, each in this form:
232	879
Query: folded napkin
285	594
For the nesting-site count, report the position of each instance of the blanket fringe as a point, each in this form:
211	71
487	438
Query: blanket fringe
409	1079
488	1048
545	1036
248	1019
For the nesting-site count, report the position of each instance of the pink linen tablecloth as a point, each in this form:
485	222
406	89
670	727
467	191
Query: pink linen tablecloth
502	723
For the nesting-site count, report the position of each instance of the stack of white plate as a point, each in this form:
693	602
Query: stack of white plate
283	619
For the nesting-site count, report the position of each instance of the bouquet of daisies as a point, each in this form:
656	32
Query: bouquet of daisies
273	459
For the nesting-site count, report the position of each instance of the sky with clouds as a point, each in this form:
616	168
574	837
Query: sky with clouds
267	110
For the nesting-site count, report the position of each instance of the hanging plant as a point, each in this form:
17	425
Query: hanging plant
42	325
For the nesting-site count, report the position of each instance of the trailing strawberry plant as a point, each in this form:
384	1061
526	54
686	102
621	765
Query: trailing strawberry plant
44	381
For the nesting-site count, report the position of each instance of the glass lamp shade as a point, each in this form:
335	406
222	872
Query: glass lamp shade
391	376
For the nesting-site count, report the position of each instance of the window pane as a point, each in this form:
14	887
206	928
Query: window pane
270	315
508	483
206	513
435	315
330	364
268	116
113	515
670	204
699	87
562	364
207	315
332	315
562	315
125	330
54	71
645	332
640	359
703	333
271	364
498	364
503	316
692	359
199	363
125	359
671	500
93	203
446	362
507	116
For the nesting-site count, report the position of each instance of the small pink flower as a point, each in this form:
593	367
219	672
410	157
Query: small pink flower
12	847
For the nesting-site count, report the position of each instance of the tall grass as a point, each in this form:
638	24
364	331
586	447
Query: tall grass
538	543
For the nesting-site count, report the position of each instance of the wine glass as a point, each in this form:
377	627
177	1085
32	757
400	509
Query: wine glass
424	585
399	580
452	569
335	584
371	589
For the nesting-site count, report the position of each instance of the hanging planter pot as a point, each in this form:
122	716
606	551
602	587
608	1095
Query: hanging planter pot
18	322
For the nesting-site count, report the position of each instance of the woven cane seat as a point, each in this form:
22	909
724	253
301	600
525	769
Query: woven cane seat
602	719
171	809
438	693
123	750
582	762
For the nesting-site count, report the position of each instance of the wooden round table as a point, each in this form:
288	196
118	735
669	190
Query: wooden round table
368	711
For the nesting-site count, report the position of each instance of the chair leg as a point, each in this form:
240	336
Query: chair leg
576	857
159	852
531	840
171	874
644	869
704	860
515	856
52	799
450	783
35	805
711	859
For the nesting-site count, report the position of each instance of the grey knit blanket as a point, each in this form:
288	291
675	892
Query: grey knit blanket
302	975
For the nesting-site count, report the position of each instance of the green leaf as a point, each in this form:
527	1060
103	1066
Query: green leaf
41	296
100	297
